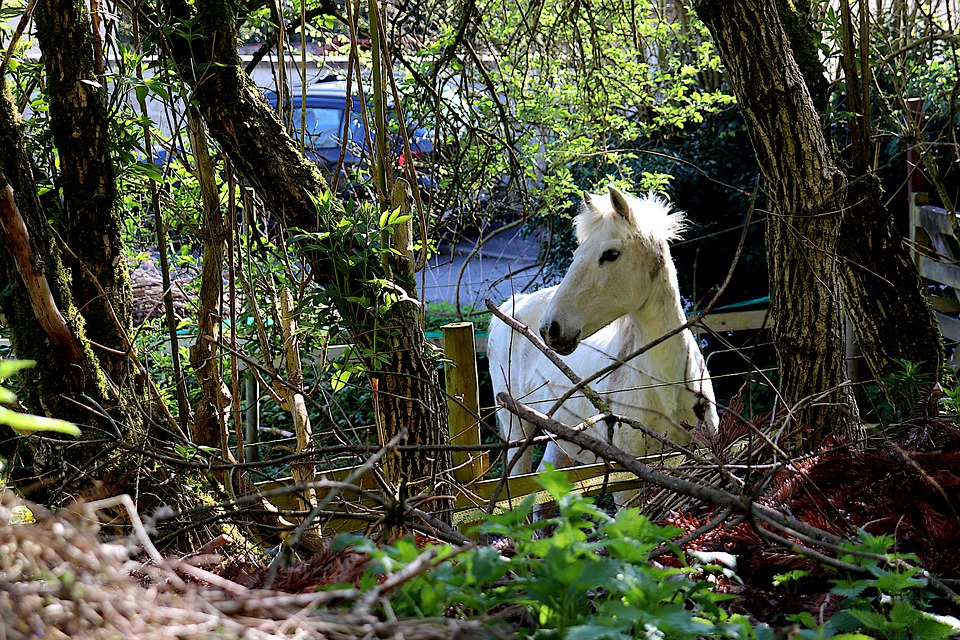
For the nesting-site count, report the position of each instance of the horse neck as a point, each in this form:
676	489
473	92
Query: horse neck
662	313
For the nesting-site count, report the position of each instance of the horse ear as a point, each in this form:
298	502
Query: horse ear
587	199
620	204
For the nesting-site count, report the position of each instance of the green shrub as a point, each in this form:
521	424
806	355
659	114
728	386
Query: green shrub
592	577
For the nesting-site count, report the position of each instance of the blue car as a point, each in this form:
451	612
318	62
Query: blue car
325	110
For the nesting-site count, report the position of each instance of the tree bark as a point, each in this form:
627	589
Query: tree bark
90	220
882	290
211	413
806	190
67	382
393	350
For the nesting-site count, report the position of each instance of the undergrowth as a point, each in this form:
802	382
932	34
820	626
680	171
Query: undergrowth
598	576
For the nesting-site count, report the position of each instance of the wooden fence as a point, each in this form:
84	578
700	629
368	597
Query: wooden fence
933	234
475	495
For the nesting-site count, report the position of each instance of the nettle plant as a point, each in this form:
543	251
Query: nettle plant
890	601
596	576
593	576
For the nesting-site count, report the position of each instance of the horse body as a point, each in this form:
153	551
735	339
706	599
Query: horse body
619	294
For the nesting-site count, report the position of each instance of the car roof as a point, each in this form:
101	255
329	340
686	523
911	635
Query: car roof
324	94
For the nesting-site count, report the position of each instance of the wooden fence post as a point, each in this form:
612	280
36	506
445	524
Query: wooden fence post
916	181
463	399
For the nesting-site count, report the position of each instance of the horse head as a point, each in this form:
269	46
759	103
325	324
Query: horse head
622	256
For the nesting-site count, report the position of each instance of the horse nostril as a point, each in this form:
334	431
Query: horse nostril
554	330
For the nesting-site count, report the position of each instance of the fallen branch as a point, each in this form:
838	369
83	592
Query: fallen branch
767	521
707	493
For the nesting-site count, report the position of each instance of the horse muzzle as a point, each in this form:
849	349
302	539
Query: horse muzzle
554	338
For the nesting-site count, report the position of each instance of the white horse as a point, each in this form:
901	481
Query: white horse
619	294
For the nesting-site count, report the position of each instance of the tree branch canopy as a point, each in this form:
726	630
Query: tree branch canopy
383	321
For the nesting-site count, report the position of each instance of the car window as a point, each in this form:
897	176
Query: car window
358	133
323	126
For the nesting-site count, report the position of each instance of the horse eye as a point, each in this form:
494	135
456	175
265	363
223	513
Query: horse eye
609	255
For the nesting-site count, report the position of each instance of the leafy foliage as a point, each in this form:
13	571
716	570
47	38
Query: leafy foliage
591	577
586	574
891	602
23	422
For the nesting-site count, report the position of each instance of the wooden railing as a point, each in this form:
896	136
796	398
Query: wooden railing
476	495
933	237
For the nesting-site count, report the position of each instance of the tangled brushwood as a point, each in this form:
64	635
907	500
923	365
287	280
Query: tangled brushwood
848	539
904	485
58	580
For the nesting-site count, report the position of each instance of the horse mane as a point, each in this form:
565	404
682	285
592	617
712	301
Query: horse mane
654	218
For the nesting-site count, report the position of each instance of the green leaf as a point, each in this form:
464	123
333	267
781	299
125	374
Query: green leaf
10	367
594	632
157	87
903	613
142	90
782	579
928	628
26	422
340	379
555	482
869	619
849	588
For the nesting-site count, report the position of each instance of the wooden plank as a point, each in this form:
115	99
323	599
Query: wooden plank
949	327
948	274
471	508
463	400
736	320
934	219
471	502
945	305
480	491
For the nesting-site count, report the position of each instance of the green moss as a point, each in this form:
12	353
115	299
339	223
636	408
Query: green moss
796	18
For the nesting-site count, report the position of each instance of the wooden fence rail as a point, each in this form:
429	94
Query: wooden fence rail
475	494
934	241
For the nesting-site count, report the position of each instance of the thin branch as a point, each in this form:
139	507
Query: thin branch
38	290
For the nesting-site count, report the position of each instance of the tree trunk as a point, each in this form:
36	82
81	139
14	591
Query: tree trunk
882	290
90	220
210	416
67	381
394	351
806	190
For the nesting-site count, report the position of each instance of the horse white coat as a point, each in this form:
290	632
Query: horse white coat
619	294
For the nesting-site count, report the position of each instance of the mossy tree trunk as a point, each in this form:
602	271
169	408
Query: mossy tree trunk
90	221
81	375
882	290
390	345
827	241
67	382
806	190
